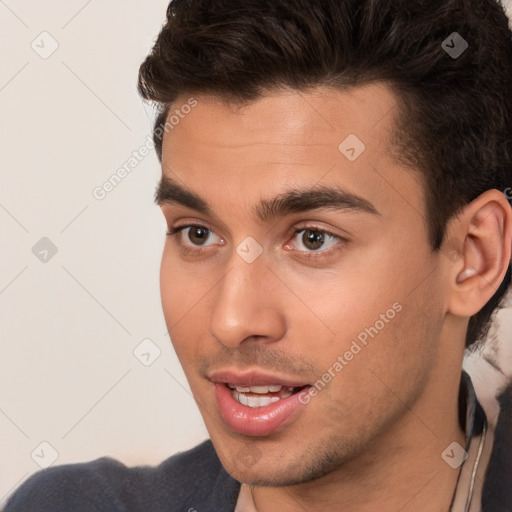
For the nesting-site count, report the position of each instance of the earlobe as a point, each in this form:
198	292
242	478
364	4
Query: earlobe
485	226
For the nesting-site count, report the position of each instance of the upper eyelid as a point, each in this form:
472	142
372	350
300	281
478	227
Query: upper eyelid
180	229
296	229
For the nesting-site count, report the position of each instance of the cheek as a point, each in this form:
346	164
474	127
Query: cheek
337	306
375	313
170	290
397	347
182	296
182	287
367	384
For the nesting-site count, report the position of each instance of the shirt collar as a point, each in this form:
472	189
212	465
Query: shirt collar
474	423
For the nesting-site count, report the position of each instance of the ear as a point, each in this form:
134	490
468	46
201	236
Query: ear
483	232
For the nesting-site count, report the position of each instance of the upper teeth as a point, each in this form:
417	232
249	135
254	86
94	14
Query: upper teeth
257	389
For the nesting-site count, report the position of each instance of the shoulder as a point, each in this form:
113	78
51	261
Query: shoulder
182	482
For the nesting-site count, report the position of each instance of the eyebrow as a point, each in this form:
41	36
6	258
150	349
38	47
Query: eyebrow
295	200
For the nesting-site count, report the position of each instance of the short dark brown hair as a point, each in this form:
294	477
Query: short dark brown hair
455	112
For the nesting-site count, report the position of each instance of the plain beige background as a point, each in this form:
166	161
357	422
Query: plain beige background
72	387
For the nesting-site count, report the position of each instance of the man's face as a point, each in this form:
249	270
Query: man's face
338	289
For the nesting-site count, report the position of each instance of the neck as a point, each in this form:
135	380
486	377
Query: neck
401	470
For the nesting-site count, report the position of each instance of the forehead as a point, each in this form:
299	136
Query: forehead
289	115
291	138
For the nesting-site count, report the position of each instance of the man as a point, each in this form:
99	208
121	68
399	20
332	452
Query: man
334	180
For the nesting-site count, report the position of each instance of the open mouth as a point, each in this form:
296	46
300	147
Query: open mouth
250	405
261	396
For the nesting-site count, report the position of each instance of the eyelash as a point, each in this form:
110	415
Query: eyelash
308	255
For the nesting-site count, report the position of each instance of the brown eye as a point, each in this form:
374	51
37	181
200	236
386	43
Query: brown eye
198	235
313	239
193	235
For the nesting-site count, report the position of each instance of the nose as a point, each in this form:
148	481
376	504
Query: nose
247	306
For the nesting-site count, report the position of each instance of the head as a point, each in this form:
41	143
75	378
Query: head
344	177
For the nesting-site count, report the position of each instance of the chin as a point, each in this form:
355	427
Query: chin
272	469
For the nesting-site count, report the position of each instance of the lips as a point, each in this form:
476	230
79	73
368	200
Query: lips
256	404
253	378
